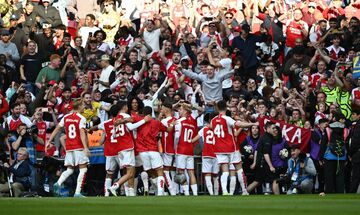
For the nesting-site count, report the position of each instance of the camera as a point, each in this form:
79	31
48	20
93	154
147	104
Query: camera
208	19
285	179
32	130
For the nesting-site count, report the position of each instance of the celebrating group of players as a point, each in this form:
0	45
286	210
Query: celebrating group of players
131	142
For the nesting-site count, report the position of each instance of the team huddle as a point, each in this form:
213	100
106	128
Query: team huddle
131	144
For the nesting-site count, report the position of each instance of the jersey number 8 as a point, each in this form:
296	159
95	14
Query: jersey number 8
72	131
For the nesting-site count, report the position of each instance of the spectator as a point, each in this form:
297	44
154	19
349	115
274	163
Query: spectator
69	71
49	73
246	46
301	171
20	173
109	21
27	18
30	65
80	9
88	30
354	151
6	74
294	68
333	154
44	42
9	49
264	170
18	34
65	50
151	34
211	85
104	82
101	36
295	28
47	13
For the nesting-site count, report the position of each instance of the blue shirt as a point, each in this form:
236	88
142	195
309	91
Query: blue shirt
247	49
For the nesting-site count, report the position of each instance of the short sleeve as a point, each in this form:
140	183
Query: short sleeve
162	127
82	123
61	123
226	63
101	126
230	121
267	148
201	132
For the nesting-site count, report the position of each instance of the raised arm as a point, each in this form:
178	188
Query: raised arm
189	73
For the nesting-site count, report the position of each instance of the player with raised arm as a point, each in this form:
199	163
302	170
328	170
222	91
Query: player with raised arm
124	137
110	148
210	166
147	146
225	148
185	131
167	143
77	151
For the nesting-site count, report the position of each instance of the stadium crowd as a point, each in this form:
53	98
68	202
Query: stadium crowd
121	97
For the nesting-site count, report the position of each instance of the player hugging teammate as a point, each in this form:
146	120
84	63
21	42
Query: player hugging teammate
160	149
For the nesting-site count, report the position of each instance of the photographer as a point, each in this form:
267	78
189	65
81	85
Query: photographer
19	174
300	172
24	137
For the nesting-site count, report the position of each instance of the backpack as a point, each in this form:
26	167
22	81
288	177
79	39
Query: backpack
336	140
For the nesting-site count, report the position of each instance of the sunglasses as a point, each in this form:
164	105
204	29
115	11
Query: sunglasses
228	17
212	26
312	7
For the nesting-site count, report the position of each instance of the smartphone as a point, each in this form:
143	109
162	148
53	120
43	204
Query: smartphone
45	109
166	14
90	34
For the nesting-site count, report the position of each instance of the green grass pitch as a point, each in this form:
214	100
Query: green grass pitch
249	205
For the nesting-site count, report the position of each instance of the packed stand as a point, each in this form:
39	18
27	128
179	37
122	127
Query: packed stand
110	97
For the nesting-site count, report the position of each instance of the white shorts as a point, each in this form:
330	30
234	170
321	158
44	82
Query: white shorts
111	163
231	158
75	158
184	162
138	161
168	160
127	158
151	160
209	166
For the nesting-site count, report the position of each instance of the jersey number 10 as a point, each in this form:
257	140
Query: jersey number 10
188	134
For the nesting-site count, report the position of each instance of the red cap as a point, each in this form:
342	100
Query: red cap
52	82
237	29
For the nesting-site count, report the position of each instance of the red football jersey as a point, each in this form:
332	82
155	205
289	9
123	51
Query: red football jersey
14	123
167	138
42	127
209	140
73	122
223	129
123	135
240	138
110	143
293	32
186	129
356	93
147	140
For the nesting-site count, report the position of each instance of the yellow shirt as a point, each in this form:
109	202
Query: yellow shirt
88	113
